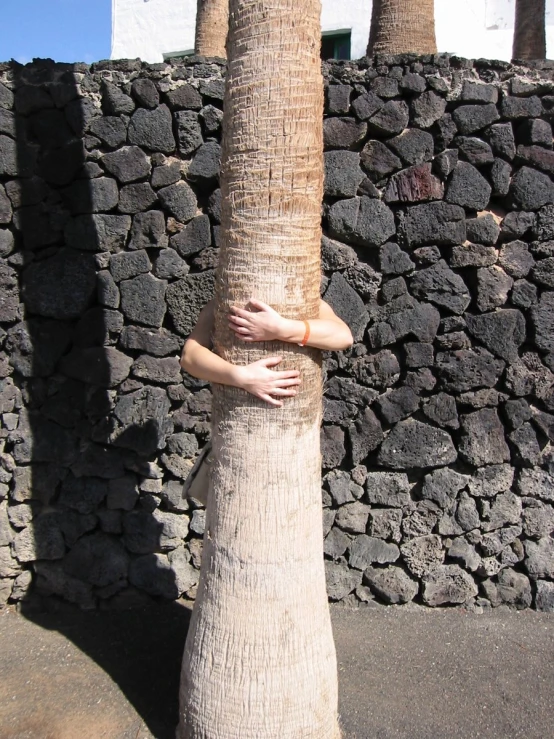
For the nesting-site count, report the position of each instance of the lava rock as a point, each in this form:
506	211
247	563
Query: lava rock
413	146
466	369
143	299
426	109
341	580
493	286
127	164
145	93
448	584
471	118
391	584
388	489
365	550
434	223
515	258
143	422
441	409
440	285
91	196
531	190
468	188
501	177
423	554
502	332
152	129
342	173
342	133
539	558
179	200
391	119
98	232
187	297
189	132
501	139
361	221
414	185
514	108
414	444
398	404
482	440
366	105
542	320
148	230
378	160
136	197
205	165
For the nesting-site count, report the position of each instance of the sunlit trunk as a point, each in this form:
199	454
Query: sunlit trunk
530	30
259	661
212	22
402	27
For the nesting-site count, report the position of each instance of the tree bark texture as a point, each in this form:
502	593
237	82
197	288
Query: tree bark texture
212	22
530	30
259	661
402	27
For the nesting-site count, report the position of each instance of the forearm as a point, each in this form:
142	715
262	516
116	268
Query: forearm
201	362
324	334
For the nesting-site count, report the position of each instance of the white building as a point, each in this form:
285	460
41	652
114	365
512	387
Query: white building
156	29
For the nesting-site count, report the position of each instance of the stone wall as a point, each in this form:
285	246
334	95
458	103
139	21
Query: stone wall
438	249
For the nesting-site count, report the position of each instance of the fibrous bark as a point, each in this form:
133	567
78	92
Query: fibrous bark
212	21
259	661
402	26
530	30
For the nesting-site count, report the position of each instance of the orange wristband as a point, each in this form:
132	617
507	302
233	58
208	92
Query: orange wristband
306	334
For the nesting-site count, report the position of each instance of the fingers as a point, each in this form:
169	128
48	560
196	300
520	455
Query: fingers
294	382
238	321
241	312
255	303
270	361
270	400
284	392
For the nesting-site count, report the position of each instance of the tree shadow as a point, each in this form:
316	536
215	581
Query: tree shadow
81	530
140	649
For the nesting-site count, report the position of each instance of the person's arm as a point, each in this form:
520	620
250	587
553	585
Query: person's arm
262	323
257	378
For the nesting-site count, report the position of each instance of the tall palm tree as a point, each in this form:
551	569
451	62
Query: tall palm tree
530	30
212	21
402	26
259	661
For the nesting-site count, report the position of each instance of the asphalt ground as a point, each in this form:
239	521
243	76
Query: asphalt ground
404	672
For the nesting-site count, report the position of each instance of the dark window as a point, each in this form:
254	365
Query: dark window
177	54
335	45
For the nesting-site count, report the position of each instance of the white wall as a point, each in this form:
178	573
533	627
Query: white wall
471	28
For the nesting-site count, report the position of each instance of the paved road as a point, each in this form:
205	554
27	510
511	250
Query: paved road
403	673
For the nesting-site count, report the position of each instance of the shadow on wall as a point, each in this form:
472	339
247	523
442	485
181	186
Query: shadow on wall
72	522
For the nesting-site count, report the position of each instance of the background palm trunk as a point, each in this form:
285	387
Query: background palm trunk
259	661
212	22
530	30
402	27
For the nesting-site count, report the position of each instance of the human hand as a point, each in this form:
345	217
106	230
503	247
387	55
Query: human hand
267	384
260	324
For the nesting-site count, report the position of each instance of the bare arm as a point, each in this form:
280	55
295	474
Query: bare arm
257	378
262	323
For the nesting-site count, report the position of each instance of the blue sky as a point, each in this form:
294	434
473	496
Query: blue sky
64	30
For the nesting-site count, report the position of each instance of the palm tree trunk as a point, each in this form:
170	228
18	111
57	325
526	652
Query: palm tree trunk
402	27
212	21
530	30
259	661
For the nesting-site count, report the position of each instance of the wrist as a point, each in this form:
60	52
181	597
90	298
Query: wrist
237	376
292	331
